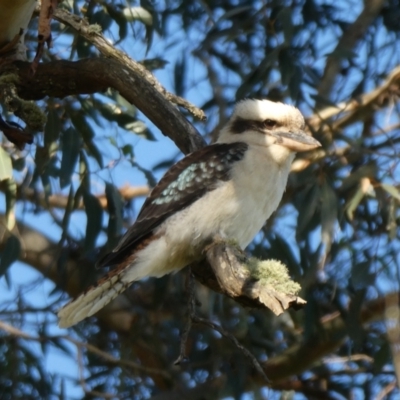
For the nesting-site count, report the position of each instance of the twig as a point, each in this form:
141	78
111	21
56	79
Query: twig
353	107
108	50
192	317
232	338
44	31
386	390
190	286
346	43
81	345
59	201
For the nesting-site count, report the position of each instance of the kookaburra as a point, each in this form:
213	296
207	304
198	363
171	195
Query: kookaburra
226	190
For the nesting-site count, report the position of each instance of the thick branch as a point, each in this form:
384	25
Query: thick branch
65	78
151	101
227	272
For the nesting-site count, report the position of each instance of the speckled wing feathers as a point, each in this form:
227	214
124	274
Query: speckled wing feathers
183	184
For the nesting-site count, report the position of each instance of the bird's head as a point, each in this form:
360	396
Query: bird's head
276	126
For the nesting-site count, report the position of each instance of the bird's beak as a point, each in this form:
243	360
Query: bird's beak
296	141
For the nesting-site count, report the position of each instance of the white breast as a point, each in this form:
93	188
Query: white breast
238	208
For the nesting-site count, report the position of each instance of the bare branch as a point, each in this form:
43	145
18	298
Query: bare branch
81	345
358	108
127	193
232	338
151	95
346	44
335	118
190	286
44	31
108	50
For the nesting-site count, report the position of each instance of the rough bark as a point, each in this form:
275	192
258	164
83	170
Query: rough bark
66	78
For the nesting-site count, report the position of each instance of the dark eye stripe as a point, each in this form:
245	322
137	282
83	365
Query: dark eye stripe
240	125
269	123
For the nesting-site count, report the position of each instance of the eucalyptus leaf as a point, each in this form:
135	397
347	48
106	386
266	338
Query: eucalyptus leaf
70	146
53	126
94	214
393	191
138	14
329	213
354	202
5	165
11	200
10	254
115	211
84	128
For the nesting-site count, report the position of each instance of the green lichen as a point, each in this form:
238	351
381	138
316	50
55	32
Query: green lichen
8	79
95	28
28	111
32	115
273	273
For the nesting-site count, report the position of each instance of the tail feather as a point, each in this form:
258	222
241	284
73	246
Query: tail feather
92	301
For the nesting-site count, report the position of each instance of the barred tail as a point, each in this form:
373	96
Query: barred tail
93	300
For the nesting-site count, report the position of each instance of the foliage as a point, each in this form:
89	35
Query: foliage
336	230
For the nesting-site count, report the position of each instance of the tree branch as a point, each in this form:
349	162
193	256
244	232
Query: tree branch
13	331
227	271
346	44
333	119
60	201
66	78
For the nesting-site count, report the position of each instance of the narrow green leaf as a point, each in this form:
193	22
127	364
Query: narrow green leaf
285	16
70	146
234	12
353	203
391	190
354	327
5	165
329	213
67	213
83	127
138	14
53	127
382	357
286	65
11	200
179	76
361	276
139	128
10	253
94	224
306	206
115	210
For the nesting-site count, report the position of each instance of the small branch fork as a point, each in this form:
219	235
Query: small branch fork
193	318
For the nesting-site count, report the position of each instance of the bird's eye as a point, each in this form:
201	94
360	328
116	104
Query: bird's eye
269	123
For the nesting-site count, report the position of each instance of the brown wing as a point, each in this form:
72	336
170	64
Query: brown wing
183	184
